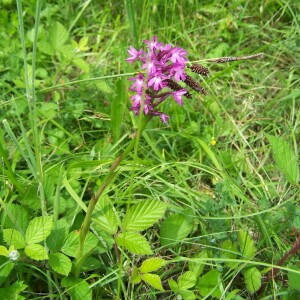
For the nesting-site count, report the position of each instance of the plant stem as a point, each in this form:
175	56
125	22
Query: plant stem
107	180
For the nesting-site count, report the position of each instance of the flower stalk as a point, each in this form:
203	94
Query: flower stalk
112	172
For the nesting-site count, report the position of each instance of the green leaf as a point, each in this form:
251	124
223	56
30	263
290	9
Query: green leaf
58	35
187	280
208	284
60	263
187	295
58	235
293	280
195	266
3	251
246	244
70	246
230	252
12	292
5	271
104	215
77	288
152	264
143	215
14	237
173	285
36	252
135	278
285	158
134	242
38	229
19	215
153	280
252	279
175	228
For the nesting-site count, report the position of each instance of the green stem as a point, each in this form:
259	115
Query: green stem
107	180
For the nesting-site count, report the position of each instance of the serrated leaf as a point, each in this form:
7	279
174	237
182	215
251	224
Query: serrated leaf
135	278
14	237
187	280
246	243
77	288
197	267
70	246
153	280
104	215
3	251
134	242
38	229
209	284
12	292
19	215
36	252
175	228
173	285
143	215
293	280
58	235
252	279
152	264
60	263
187	295
285	158
229	252
58	35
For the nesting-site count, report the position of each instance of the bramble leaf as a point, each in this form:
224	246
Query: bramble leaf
153	280
14	237
60	263
36	252
252	279
143	215
38	229
134	242
247	246
152	264
285	158
175	228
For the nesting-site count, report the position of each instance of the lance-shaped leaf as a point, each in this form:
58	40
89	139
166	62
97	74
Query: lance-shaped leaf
143	215
134	242
246	244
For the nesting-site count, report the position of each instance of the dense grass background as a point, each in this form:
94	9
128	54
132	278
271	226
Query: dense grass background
65	116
